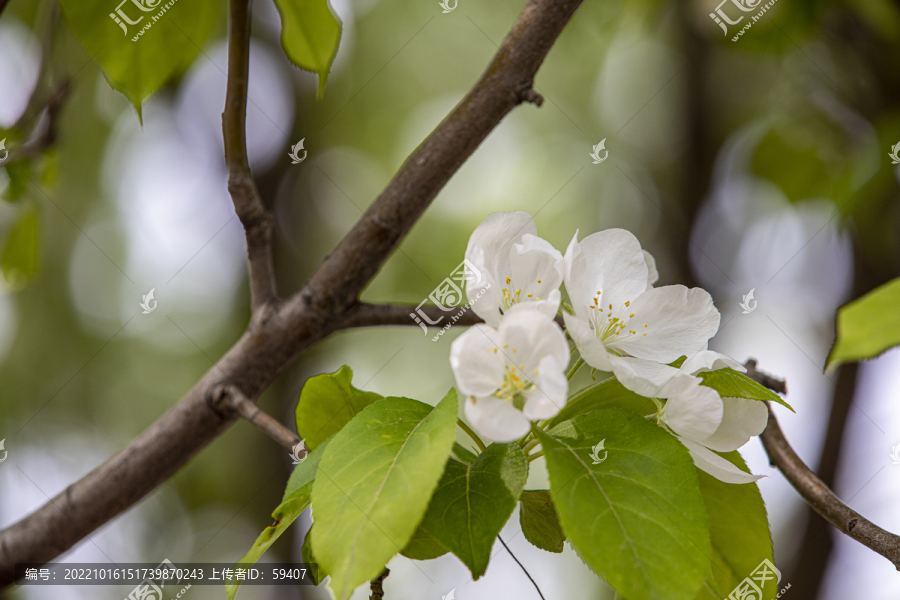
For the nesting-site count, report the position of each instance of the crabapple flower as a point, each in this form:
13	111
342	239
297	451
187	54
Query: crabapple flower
511	375
703	421
517	267
623	324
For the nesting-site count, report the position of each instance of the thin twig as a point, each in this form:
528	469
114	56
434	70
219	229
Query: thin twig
377	585
522	566
257	220
232	398
471	434
818	495
363	314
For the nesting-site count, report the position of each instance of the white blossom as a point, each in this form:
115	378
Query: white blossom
703	421
511	375
518	268
623	324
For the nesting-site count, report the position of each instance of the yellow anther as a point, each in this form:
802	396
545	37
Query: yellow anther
522	367
508	281
505	345
610	307
495	351
632	331
538	280
529	295
628	303
513	349
645	324
631	316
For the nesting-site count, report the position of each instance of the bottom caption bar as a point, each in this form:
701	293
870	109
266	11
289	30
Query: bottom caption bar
156	576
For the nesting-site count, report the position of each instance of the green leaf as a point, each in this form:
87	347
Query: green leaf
296	500
608	393
473	502
462	454
327	403
134	63
19	177
739	531
306	553
637	518
374	483
20	260
540	524
423	546
731	384
310	35
867	326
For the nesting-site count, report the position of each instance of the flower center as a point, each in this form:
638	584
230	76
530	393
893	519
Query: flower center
514	383
512	296
612	325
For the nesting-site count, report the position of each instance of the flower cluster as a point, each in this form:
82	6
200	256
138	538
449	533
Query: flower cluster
512	369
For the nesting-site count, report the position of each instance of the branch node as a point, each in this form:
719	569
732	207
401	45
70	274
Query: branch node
529	95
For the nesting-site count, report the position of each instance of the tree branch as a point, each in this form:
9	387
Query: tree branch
256	218
231	400
316	311
377	585
369	315
814	491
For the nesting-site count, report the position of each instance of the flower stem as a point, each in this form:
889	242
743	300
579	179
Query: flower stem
527	447
471	434
575	368
535	456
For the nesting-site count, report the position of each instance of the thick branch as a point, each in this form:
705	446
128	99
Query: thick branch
815	492
315	312
257	220
231	399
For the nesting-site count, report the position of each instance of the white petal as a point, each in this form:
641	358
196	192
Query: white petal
485	296
692	411
496	419
710	462
477	363
644	377
652	273
495	237
679	323
529	336
592	350
531	261
742	420
550	393
707	360
608	261
548	306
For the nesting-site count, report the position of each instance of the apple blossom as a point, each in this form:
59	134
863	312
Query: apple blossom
511	375
623	324
517	267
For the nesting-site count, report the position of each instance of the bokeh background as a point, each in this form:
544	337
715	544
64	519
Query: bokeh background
757	164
